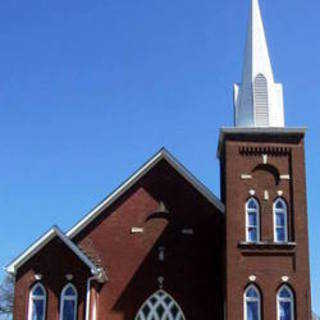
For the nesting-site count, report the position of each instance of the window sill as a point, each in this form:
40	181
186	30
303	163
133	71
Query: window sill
267	246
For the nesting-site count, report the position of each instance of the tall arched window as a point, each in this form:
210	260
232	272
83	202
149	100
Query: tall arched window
252	303
260	96
285	304
69	303
37	302
252	220
280	221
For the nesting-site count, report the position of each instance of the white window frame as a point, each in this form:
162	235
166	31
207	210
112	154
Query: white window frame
291	300
33	297
275	226
251	299
65	297
248	226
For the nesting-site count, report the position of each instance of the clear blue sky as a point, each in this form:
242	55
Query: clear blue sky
91	89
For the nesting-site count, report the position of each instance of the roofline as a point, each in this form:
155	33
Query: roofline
40	243
162	154
268	131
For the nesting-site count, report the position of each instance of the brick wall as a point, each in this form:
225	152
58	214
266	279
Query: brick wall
192	267
243	154
53	262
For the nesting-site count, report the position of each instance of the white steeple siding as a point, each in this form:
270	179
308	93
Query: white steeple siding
258	100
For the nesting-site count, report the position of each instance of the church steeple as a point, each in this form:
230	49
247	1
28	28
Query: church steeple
258	100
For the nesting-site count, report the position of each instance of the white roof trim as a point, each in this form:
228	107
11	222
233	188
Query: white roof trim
41	242
162	154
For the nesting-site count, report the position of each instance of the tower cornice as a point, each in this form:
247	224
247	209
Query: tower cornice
256	133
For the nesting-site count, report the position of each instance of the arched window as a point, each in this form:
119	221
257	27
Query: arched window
252	220
280	221
252	303
285	304
68	303
260	96
160	306
37	302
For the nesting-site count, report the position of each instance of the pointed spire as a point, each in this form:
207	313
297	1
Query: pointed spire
258	100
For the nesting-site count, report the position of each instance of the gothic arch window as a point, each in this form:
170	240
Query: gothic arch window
252	220
285	304
280	220
160	306
252	303
37	302
260	96
69	303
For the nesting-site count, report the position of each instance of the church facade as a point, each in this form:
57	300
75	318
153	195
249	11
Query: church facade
163	247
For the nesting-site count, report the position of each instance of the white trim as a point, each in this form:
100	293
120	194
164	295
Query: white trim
265	158
248	299
187	231
285	177
32	298
162	154
40	243
291	300
136	230
257	212
282	211
64	297
246	176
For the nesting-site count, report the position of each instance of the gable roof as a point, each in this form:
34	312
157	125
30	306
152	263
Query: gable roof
41	242
162	154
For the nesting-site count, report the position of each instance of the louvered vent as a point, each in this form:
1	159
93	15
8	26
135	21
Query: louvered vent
261	101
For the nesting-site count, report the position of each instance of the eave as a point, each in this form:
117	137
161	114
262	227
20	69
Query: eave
41	242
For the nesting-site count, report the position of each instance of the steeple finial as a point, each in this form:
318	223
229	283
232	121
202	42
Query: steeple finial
258	100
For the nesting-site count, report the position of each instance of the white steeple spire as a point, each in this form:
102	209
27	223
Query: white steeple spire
258	101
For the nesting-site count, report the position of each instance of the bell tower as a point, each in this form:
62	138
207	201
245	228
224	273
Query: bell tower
263	187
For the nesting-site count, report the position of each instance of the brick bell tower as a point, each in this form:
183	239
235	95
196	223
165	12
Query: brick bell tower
263	186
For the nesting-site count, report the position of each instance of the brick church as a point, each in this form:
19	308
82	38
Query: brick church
163	247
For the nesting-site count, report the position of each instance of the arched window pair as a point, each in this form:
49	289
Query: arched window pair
38	299
280	220
252	303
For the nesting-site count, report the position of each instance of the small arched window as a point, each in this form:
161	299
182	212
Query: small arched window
69	303
252	220
261	102
37	302
280	220
252	303
285	304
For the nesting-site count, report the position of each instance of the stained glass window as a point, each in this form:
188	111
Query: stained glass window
252	220
160	306
285	304
252	303
37	302
280	221
68	307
